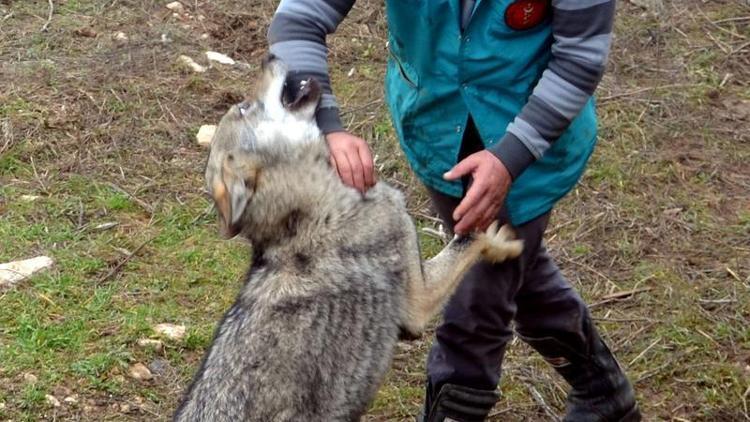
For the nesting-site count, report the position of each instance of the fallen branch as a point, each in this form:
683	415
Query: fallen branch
49	16
114	271
619	295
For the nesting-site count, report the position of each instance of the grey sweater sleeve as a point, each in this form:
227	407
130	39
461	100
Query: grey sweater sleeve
297	35
582	32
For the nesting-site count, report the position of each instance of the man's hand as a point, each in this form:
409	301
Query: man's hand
485	197
351	158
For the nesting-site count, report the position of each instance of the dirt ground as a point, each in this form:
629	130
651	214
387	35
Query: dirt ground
99	129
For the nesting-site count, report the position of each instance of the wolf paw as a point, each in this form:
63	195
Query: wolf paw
499	245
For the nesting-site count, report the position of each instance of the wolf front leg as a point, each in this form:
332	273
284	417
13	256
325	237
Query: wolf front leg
432	283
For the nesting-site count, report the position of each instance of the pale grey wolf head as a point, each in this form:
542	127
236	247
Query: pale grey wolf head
274	121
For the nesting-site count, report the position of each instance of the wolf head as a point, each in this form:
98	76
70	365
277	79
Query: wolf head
272	123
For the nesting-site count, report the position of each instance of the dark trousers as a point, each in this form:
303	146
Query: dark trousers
478	320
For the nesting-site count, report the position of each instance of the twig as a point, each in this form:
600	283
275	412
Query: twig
640	355
540	400
36	176
149	208
49	16
614	297
124	261
362	107
435	233
642	90
737	19
626	293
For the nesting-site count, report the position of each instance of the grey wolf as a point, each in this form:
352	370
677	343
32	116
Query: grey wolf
336	276
504	84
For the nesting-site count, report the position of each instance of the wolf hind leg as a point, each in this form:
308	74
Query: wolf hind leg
431	283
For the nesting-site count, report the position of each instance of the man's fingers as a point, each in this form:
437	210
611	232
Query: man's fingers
355	164
475	193
367	165
345	170
466	166
474	217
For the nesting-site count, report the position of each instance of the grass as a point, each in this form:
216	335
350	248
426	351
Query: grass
102	131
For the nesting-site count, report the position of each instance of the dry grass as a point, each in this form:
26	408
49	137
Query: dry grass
102	131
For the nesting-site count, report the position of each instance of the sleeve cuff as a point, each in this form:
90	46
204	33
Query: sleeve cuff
513	154
329	120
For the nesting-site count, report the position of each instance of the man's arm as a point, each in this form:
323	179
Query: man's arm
582	31
297	35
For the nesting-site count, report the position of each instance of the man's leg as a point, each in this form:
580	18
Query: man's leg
463	366
554	320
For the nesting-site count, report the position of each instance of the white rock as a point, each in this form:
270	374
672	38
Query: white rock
219	58
151	343
205	135
29	198
14	272
106	226
52	400
71	399
170	331
204	36
120	36
2	405
190	63
176	6
140	372
165	39
30	378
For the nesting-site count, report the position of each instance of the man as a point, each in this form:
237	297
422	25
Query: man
491	100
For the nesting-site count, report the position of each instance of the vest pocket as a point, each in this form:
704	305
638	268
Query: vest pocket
410	80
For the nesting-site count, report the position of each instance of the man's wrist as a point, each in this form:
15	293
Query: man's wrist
328	120
513	154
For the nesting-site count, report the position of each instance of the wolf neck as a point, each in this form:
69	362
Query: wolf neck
295	198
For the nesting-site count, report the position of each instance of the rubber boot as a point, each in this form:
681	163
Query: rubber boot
600	390
456	403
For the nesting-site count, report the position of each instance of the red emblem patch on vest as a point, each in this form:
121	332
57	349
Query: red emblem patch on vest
525	14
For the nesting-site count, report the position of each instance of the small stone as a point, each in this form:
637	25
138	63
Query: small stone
204	36
140	372
170	331
52	400
159	367
125	408
29	198
176	6
86	32
121	36
165	39
191	64
30	378
219	58
2	405
205	135
13	272
71	399
148	343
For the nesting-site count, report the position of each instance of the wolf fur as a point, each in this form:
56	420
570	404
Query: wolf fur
335	275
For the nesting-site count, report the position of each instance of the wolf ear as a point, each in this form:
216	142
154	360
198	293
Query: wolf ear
233	191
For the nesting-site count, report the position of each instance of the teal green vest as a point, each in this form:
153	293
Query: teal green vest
438	75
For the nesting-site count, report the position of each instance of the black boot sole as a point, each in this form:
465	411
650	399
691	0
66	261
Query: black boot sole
634	415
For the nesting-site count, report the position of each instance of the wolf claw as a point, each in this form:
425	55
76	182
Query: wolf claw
499	245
